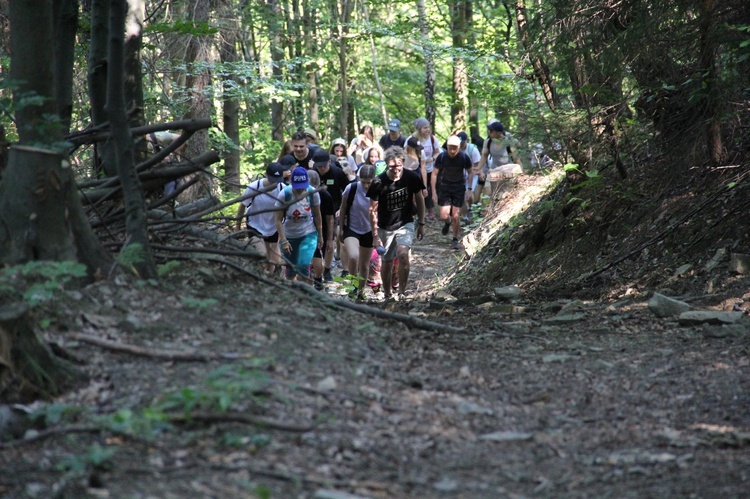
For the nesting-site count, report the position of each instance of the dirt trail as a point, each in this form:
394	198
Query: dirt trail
615	403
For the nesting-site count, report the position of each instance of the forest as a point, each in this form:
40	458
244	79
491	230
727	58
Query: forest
642	106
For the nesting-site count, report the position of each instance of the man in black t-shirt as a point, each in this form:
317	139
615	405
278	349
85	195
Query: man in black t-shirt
300	154
393	137
454	167
392	196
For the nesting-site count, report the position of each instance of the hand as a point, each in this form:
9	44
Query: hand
469	194
320	241
434	197
425	194
420	232
286	246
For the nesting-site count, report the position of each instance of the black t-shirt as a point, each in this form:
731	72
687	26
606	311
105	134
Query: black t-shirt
304	163
335	181
386	142
395	199
452	169
326	209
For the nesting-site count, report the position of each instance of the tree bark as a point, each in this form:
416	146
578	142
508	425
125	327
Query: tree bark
97	83
310	36
197	83
459	94
709	76
230	100
275	28
429	65
135	206
66	16
133	73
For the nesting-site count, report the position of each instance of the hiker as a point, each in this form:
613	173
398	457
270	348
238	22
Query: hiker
327	213
361	142
392	196
342	158
500	147
356	233
301	154
312	139
393	137
431	150
452	192
335	181
473	152
299	224
262	226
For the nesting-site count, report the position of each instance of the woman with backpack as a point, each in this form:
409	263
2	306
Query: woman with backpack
431	150
356	233
299	224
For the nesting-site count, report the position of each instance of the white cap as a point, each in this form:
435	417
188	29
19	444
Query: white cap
453	140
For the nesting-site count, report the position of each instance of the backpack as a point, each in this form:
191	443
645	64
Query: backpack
488	142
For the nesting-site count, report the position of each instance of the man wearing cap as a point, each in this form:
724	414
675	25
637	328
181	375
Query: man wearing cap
499	146
393	137
299	224
261	218
392	195
301	154
335	181
454	166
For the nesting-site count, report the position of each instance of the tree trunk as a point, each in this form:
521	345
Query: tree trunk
459	94
197	83
135	207
34	370
66	16
133	73
710	88
429	65
277	57
541	70
97	83
310	37
471	81
230	100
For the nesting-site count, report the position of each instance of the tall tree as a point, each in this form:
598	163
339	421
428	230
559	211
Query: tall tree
459	89
429	64
275	29
230	100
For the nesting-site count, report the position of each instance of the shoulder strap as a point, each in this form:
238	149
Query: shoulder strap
287	194
349	201
488	142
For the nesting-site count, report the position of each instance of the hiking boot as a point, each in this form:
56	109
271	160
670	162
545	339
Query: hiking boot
327	276
318	283
455	244
446	228
344	273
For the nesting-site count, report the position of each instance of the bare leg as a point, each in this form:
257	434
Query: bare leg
456	220
363	268
386	269
404	266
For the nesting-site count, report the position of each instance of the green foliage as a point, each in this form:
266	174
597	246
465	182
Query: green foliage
132	255
349	283
201	305
221	390
167	268
38	281
95	457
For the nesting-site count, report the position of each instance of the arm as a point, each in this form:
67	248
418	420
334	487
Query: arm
280	229
240	214
342	211
318	219
420	217
374	221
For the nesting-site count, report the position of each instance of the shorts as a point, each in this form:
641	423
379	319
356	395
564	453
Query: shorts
403	236
274	238
301	255
365	240
452	195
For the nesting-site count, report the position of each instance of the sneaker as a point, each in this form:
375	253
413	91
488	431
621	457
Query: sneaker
455	244
318	283
446	228
401	297
344	273
327	276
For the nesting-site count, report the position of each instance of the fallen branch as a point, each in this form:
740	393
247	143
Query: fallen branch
408	320
235	417
180	355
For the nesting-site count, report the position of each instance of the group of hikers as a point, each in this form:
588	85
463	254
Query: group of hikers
364	202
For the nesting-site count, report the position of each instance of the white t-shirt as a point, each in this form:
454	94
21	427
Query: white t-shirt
264	223
430	146
359	211
298	221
